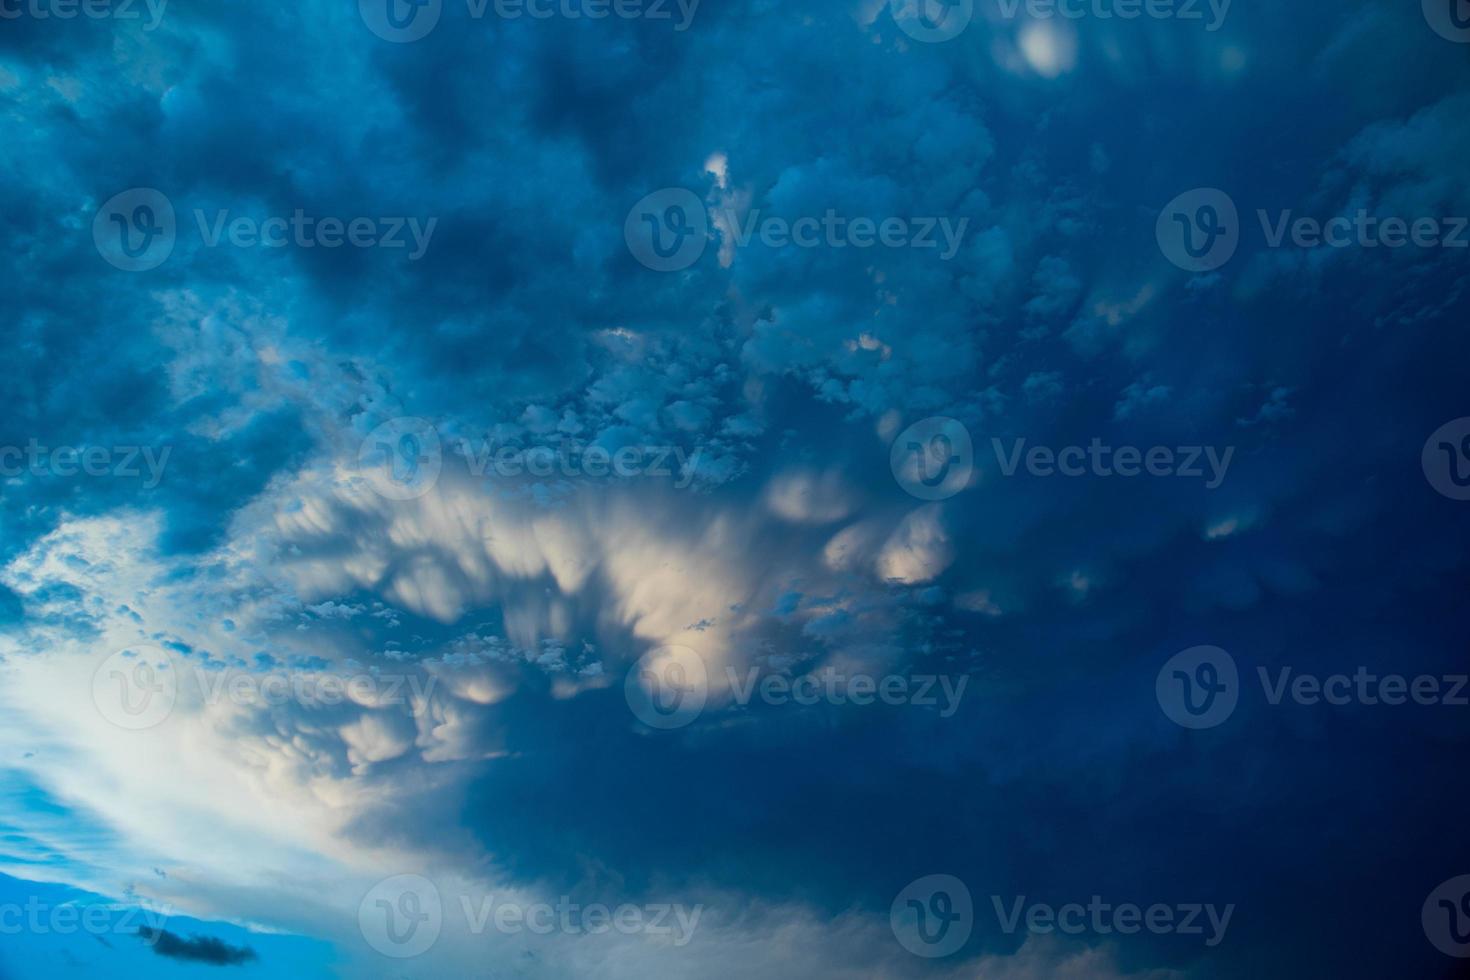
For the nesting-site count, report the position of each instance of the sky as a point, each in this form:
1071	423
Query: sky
657	489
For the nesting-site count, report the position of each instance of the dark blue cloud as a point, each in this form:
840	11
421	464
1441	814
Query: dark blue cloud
1058	321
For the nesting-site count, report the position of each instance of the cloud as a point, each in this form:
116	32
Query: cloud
195	949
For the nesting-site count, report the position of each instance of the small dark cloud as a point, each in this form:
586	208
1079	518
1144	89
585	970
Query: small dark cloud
198	949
